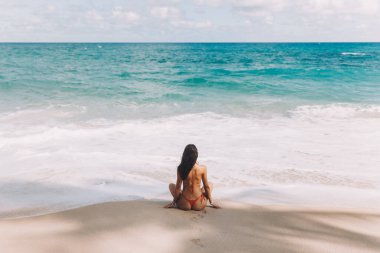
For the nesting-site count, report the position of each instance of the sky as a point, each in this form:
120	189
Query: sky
189	20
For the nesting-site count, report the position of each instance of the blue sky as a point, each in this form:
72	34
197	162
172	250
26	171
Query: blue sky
190	20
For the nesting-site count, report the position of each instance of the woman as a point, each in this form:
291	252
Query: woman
191	174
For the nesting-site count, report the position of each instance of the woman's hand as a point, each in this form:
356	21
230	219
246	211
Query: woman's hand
170	205
213	205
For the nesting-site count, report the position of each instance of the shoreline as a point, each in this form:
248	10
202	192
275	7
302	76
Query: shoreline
143	226
225	203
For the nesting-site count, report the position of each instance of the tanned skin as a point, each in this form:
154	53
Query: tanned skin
192	190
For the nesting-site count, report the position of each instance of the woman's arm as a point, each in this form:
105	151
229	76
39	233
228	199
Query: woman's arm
177	192
207	187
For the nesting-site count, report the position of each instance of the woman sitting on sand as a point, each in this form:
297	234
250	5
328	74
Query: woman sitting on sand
193	197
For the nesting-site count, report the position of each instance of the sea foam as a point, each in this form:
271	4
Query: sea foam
283	159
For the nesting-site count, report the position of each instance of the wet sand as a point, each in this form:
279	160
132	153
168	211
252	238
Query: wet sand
144	226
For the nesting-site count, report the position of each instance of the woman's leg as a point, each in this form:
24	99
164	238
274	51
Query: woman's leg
181	203
172	189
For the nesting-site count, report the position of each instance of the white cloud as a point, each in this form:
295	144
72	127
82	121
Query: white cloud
165	12
321	15
210	2
316	6
263	4
51	8
257	3
364	7
176	18
194	20
93	15
125	15
192	24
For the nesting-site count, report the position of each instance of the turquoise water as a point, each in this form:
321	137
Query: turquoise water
275	124
153	80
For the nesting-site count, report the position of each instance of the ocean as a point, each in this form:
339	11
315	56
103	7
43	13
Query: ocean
275	123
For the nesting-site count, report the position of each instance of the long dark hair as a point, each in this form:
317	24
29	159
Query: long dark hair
189	157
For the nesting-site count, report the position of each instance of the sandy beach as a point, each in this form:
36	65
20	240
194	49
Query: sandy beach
109	110
144	226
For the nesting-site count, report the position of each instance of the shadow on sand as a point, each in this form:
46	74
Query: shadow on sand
144	226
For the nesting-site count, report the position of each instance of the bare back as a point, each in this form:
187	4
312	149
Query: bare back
192	189
192	184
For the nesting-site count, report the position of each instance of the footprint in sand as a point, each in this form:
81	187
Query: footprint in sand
197	217
197	242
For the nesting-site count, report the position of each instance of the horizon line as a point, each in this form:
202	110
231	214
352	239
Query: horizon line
184	42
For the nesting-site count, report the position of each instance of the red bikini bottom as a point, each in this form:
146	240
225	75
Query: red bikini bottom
193	201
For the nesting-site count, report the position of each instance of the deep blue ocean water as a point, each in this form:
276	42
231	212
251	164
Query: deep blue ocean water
150	80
